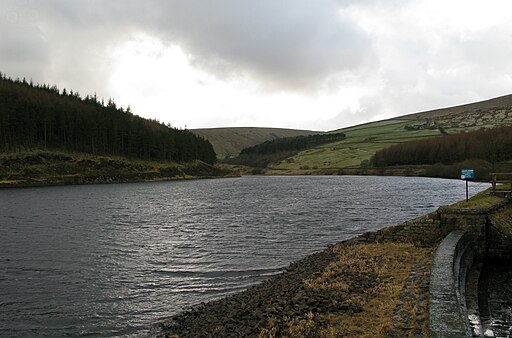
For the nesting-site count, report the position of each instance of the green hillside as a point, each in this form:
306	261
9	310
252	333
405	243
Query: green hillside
360	144
364	140
228	142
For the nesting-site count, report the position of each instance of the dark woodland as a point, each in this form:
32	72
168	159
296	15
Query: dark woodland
43	117
492	145
263	154
296	143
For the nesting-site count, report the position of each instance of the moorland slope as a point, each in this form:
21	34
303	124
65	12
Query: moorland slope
363	141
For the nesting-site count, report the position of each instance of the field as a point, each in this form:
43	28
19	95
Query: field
359	146
364	140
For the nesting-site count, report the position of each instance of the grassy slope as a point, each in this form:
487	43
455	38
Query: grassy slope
364	140
230	141
361	143
57	168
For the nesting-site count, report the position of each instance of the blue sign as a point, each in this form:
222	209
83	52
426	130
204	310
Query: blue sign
467	174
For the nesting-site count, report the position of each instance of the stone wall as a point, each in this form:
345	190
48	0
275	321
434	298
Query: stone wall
487	240
488	236
452	262
499	235
500	246
467	236
425	230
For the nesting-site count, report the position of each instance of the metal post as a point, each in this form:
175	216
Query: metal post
466	191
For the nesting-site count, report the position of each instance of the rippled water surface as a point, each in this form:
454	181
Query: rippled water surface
110	260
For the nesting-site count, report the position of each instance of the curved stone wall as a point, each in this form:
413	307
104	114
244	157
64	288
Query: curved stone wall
452	262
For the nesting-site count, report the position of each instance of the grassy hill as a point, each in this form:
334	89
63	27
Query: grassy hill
228	142
364	140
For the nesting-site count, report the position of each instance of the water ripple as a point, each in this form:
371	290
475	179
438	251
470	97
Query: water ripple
111	260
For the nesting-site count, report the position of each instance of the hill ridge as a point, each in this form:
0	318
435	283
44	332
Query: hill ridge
495	102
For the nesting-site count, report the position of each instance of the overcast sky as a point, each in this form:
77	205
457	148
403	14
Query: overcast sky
318	64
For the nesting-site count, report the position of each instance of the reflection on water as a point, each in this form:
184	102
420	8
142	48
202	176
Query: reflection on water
108	260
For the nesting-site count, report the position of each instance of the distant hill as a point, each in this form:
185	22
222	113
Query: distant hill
364	140
470	108
228	142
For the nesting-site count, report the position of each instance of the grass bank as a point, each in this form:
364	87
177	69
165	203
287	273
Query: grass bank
41	168
481	200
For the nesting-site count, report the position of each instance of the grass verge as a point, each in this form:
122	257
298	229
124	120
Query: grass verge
480	200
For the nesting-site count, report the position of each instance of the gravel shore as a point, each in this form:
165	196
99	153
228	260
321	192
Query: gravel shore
329	293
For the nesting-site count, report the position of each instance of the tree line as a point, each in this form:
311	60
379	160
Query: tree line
40	116
274	151
292	144
492	145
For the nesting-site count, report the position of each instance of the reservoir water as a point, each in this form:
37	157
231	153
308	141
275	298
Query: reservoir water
113	260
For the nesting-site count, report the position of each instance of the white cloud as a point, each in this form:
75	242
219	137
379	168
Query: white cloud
159	81
302	64
437	53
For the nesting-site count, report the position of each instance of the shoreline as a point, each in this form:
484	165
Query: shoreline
375	284
53	168
67	183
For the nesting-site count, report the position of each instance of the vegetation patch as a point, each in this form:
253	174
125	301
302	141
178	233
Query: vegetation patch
366	277
293	143
43	167
274	151
493	145
358	147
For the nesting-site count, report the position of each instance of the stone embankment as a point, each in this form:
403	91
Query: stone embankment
479	236
377	284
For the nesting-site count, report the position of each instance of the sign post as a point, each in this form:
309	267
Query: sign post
467	174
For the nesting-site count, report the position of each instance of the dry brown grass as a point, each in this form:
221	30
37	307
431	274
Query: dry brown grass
370	276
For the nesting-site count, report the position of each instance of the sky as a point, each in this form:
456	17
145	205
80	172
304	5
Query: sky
302	64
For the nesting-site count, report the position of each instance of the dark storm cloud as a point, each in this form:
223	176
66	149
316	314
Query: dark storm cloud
23	49
392	57
282	44
60	42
